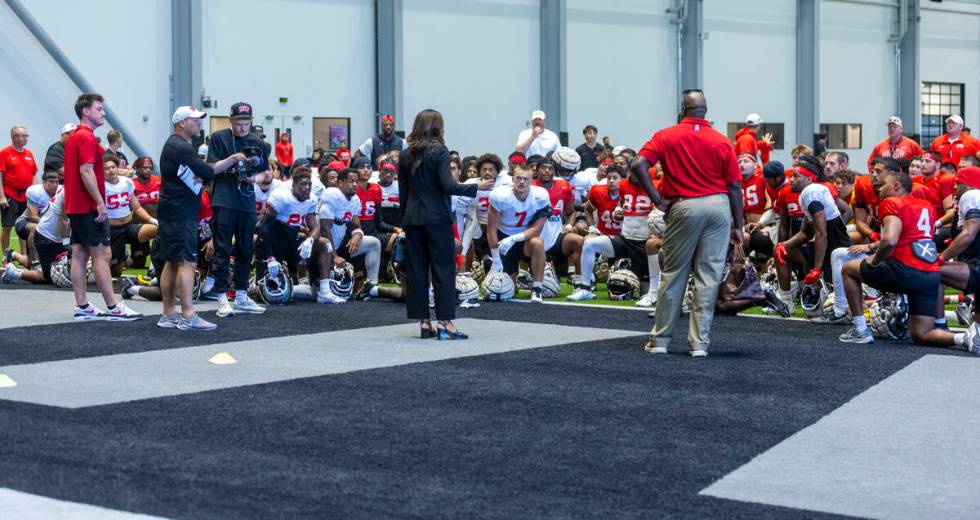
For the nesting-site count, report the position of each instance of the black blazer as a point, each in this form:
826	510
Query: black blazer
425	194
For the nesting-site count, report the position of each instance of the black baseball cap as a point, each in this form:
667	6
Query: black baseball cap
241	110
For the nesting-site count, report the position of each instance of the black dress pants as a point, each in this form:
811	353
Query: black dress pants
234	235
430	248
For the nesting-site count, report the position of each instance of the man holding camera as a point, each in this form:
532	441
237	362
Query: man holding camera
233	202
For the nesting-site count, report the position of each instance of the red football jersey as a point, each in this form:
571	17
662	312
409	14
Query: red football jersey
866	197
943	184
370	200
790	200
148	193
561	194
605	206
918	220
921	191
753	193
636	202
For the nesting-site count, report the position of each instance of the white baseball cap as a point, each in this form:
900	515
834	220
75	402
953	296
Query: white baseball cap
69	127
895	120
537	114
753	119
183	113
955	118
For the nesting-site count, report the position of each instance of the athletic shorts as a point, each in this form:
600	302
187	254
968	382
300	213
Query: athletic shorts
635	251
514	255
836	237
47	253
119	236
921	287
177	241
555	255
357	261
20	226
8	215
85	231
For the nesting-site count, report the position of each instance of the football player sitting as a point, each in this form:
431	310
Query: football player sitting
121	204
341	229
515	219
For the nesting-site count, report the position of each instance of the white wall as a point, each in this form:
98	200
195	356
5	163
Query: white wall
858	71
476	61
749	64
621	70
317	53
127	59
950	51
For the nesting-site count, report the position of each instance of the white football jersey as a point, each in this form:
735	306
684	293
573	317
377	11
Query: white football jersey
515	214
289	210
50	224
117	197
262	195
389	196
39	198
818	193
969	206
336	207
482	198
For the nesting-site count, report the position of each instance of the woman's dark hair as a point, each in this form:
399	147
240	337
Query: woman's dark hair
426	131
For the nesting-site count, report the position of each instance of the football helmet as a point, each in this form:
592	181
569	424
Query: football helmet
274	290
623	285
964	311
524	280
889	317
656	222
550	285
498	287
341	280
467	290
811	299
828	305
600	273
477	271
198	285
566	159
61	271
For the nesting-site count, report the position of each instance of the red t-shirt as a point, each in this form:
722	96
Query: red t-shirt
148	193
370	200
952	152
605	206
866	197
905	148
943	184
284	153
81	148
697	160
561	194
791	200
18	169
918	220
753	194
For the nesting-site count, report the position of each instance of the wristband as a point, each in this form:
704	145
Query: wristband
518	237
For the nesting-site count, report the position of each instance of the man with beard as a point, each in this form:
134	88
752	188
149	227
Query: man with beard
382	143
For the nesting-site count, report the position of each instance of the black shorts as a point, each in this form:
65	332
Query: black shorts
177	241
285	246
921	287
9	215
555	255
119	236
85	231
20	226
635	251
358	261
47	253
836	237
514	256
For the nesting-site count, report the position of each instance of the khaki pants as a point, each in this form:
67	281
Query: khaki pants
697	236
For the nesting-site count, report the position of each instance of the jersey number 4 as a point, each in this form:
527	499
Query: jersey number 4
924	225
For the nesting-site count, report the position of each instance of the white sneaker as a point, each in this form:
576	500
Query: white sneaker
536	295
581	294
327	297
123	313
699	352
648	300
245	304
10	273
195	322
91	313
654	349
225	310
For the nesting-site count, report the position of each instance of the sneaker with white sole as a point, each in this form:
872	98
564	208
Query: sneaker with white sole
853	336
652	348
247	305
168	322
327	297
648	300
225	310
699	352
195	322
90	313
123	313
10	274
125	284
536	296
973	339
832	319
581	294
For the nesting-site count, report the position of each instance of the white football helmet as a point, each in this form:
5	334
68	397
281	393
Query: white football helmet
498	287
467	290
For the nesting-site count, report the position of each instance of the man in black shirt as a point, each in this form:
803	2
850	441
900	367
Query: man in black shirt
233	202
590	150
182	178
382	143
54	159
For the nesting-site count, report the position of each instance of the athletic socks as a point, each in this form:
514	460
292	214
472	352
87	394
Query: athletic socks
374	291
653	264
940	321
133	290
860	323
959	340
240	295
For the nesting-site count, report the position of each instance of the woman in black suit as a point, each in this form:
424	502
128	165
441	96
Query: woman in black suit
425	184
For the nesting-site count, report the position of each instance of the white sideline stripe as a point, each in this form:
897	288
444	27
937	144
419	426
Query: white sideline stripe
93	381
26	506
904	448
26	307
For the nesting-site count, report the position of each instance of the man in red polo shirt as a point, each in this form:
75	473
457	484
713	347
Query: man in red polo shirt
17	169
87	213
954	144
896	145
702	194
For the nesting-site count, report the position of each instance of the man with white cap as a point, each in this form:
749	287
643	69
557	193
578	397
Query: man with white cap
954	144
896	145
182	178
54	159
537	140
747	139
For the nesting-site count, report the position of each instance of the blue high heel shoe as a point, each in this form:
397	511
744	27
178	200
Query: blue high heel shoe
449	336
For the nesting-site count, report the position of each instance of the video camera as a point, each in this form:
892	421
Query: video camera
254	157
